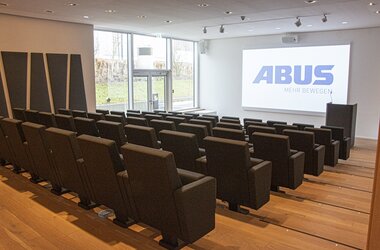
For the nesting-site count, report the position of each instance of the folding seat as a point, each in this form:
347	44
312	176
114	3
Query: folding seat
314	154
32	116
216	117
5	153
150	117
47	119
271	123
241	180
281	127
19	114
116	118
229	125
344	142
227	133
112	131
67	159
15	139
263	129
86	126
102	164
96	116
159	125
40	155
137	121
324	137
133	114
186	117
211	119
102	111
133	111
79	113
118	113
179	203
176	119
200	131
288	165
251	121
144	136
63	111
302	126
65	122
208	124
185	148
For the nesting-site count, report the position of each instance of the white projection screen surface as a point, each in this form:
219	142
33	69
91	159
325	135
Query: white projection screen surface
300	79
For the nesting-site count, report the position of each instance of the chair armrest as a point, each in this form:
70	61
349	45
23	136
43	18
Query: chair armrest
319	159
196	203
296	169
202	152
188	176
126	193
259	179
255	161
201	165
292	152
89	193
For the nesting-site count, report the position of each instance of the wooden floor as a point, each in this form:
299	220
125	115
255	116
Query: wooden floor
327	212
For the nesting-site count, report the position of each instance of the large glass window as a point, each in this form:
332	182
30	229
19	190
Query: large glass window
149	52
111	70
183	74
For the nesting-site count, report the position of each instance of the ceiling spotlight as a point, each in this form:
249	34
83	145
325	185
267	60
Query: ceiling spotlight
377	11
298	22
141	17
204	30
324	18
72	4
372	4
228	12
86	17
344	22
203	5
242	18
310	1
110	11
168	21
221	29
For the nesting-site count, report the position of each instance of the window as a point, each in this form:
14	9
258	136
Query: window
111	70
183	74
149	52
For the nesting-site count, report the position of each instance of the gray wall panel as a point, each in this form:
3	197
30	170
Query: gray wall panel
39	96
77	90
3	104
58	75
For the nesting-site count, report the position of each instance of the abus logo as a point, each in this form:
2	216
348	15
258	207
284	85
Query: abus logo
302	75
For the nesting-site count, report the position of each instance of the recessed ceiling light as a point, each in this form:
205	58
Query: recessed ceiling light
278	28
86	17
72	4
203	5
377	11
168	21
49	11
309	25
372	4
344	22
251	30
4	4
142	17
110	11
228	12
310	1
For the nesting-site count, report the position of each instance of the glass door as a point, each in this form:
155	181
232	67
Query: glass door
140	93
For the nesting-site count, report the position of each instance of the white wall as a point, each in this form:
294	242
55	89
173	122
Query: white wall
37	35
221	75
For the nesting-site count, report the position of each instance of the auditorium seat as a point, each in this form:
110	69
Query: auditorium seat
181	208
227	120
175	113
150	117
314	154
208	124
157	111
207	118
32	116
187	117
281	127
102	111
102	163
227	133
216	117
96	116
134	114
79	113
222	124
159	125
67	158
5	153
86	126
251	121
19	114
176	119
137	121
241	180
194	115
271	123
288	166
263	129
147	113
302	126
112	131
63	111
164	114
134	111
231	118
344	142
65	122
116	118
261	124
200	131
324	137
47	119
139	135
122	113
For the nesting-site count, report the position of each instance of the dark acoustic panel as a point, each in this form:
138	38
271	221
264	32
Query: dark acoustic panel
39	95
15	66
58	75
3	104
77	90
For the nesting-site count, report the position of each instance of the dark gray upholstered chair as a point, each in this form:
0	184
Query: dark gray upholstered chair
86	126
65	122
5	153
302	126
112	131
15	139
102	163
137	121
150	117
179	203
226	120
216	117
200	131
288	166
63	111
314	154
134	114
134	111
271	123
186	117
164	114
229	125
32	116
261	124
102	111
208	124
194	115
174	113
263	129
47	119
227	133
185	148
139	135
324	137
67	159
96	116
176	119
147	113
122	113
281	127
157	111
241	180
40	155
19	114
116	118
250	121
207	118
235	118
159	125
79	113
344	142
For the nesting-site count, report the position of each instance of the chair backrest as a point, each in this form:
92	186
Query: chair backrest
86	126
231	118
200	131
159	125
112	131
216	117
116	118
186	117
208	124
302	126
96	116
184	146
251	121
137	121
194	115
207	118
102	111
233	121
79	113
337	133
19	114
271	123
322	136
263	129
229	161
134	114
134	111
150	117
32	116
302	141
65	122
281	127
144	136
147	113
227	133
47	119
153	179
63	111
164	114
118	113
5	153
176	119
230	125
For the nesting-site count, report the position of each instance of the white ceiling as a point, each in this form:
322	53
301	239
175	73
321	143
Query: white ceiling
188	18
